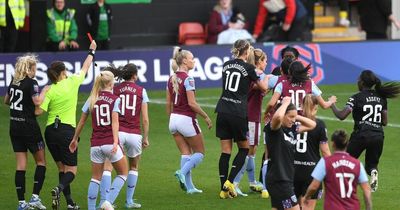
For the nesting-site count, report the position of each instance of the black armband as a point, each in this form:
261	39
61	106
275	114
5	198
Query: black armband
91	52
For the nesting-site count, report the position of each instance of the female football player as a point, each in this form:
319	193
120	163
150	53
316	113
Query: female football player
22	96
103	106
369	108
182	109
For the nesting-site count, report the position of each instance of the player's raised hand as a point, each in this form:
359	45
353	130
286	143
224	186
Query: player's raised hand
93	45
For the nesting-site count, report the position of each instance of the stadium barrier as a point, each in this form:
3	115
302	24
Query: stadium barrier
332	63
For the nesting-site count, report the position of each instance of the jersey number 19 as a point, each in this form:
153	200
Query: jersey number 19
103	117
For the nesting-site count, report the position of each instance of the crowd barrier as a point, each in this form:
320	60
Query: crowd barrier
332	63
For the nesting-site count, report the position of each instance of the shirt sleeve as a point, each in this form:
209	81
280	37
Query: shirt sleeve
145	97
252	74
278	88
189	84
85	108
46	101
78	78
116	105
272	82
351	102
315	89
319	172
323	135
362	178
34	88
384	107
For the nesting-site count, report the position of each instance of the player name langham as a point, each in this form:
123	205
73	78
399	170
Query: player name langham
373	98
106	99
236	66
346	163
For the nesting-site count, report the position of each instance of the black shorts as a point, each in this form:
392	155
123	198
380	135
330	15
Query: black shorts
300	189
372	142
58	140
282	195
231	127
32	143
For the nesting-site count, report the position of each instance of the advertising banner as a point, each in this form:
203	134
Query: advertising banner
331	63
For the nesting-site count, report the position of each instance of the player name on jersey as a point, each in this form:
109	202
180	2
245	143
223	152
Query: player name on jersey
373	98
342	162
236	66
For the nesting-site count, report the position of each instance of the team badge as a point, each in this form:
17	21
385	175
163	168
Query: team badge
36	88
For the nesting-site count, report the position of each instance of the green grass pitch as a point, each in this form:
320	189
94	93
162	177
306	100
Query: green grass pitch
157	188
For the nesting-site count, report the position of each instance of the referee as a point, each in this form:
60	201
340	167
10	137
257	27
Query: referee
232	123
60	103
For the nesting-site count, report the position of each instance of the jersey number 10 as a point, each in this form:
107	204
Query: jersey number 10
297	97
229	81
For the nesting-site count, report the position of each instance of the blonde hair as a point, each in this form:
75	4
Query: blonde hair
240	47
101	82
23	67
309	103
177	60
256	55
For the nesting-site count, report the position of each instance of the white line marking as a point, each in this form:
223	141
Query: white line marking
208	105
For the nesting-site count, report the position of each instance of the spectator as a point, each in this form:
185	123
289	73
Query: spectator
99	19
375	16
291	14
12	14
62	30
235	31
219	19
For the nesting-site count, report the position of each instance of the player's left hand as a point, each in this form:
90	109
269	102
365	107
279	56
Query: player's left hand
73	145
209	122
115	148
145	143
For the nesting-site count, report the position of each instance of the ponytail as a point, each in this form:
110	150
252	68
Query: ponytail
177	60
388	90
101	82
309	103
24	66
298	73
256	56
240	47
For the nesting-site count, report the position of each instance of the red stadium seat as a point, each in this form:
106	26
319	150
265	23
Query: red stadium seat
191	33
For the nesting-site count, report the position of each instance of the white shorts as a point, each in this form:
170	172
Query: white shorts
185	125
99	154
254	134
132	143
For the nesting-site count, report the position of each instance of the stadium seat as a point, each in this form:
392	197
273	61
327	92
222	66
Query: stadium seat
191	33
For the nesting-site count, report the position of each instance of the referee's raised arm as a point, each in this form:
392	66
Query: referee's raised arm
89	58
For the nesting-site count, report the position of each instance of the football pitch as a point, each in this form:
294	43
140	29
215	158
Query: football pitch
157	187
